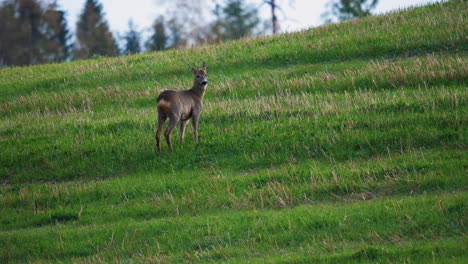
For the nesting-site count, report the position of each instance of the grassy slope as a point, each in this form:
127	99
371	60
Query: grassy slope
345	143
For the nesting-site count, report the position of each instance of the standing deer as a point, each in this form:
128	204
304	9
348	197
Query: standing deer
181	106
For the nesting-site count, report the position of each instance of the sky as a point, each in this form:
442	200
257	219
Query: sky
295	14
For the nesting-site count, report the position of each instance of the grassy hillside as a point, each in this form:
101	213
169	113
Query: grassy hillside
344	143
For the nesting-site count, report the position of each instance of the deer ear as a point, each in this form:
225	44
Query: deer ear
195	71
203	66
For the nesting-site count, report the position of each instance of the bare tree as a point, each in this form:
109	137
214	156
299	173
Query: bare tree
190	17
274	17
275	6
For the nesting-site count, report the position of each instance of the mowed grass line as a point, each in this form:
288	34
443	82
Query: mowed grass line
340	144
121	144
325	228
111	141
187	193
430	251
339	77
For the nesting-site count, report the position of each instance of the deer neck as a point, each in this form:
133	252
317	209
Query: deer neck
198	90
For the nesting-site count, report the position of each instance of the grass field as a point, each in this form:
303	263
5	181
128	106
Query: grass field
340	144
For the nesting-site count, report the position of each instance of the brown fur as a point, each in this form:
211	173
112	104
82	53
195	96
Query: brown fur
181	106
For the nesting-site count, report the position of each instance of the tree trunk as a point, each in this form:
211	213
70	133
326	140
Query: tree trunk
274	18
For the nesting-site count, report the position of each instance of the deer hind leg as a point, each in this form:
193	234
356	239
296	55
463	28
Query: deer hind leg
161	120
172	124
183	124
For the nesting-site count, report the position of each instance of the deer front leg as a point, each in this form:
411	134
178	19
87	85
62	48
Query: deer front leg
161	120
183	124
195	127
172	124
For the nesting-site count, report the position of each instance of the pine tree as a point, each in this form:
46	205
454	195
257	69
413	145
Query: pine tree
31	34
158	41
56	34
20	35
132	40
348	9
93	36
240	20
11	38
64	36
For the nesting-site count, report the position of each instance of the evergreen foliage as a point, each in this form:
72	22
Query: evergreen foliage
348	9
240	20
93	36
132	40
31	33
159	38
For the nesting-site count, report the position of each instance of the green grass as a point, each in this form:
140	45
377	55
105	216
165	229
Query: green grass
340	144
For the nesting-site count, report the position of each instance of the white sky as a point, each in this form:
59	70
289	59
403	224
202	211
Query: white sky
300	14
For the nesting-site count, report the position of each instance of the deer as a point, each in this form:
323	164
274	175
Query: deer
181	106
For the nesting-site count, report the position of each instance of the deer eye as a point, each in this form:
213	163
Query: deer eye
198	76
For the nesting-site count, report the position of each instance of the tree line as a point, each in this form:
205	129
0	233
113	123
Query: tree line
35	31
